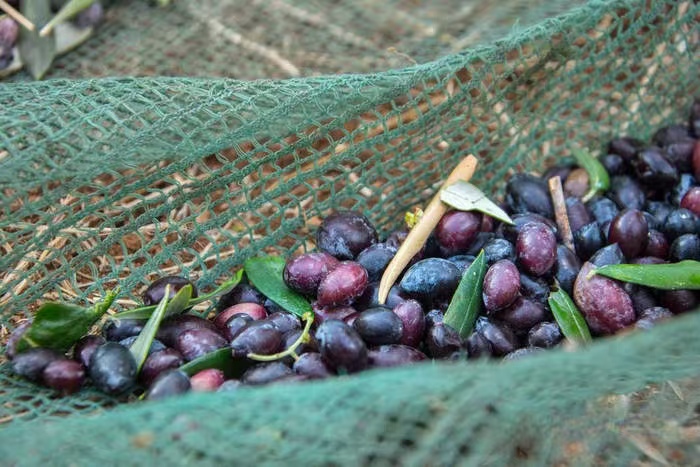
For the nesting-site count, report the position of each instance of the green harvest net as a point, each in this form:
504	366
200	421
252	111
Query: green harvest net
117	181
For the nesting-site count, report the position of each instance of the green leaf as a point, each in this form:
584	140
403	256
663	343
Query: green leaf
36	52
145	312
669	276
466	302
265	273
70	9
139	349
568	317
598	179
466	197
60	325
221	359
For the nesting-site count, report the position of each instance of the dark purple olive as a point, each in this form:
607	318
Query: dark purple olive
173	326
630	231
561	171
341	346
651	316
694	118
577	213
311	364
433	317
386	356
258	337
680	154
112	369
670	134
31	363
500	335
235	325
479	243
242	293
195	343
545	335
156	345
456	231
566	268
680	221
536	249
207	380
501	285
462	261
522	315
588	239
305	272
626	193
498	249
478	346
696	160
653	168
158	362
527	193
85	347
167	384
370	297
156	291
229	385
290	338
264	373
602	209
442	340
642	297
510	231
284	321
323	314
675	195
375	259
691	200
411	314
679	301
647	260
15	337
657	245
610	254
345	234
342	285
660	210
534	288
430	279
603	302
66	376
379	326
252	310
614	164
90	16
120	329
687	246
625	147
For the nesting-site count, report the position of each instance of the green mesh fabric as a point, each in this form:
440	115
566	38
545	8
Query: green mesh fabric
119	180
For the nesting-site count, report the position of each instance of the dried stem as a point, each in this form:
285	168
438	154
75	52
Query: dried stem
560	213
421	231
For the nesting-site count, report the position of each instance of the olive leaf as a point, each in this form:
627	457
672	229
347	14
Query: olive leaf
465	305
669	276
221	359
139	349
598	179
464	196
37	52
60	325
70	9
568	317
145	312
265	273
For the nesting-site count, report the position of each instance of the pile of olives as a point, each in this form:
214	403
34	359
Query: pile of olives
650	214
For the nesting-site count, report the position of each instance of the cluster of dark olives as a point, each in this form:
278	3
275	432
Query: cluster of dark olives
650	214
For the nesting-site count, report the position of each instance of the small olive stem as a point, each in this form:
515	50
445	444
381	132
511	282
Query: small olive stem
419	234
16	15
560	214
291	350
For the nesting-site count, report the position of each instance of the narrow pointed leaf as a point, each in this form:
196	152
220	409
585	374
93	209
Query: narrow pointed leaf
145	312
466	302
568	317
670	276
139	349
221	359
70	9
37	52
60	325
265	273
598	179
464	196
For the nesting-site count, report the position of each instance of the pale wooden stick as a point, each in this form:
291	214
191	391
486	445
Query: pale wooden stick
418	235
560	214
16	15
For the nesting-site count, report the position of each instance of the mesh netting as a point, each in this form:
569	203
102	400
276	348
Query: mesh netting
117	181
